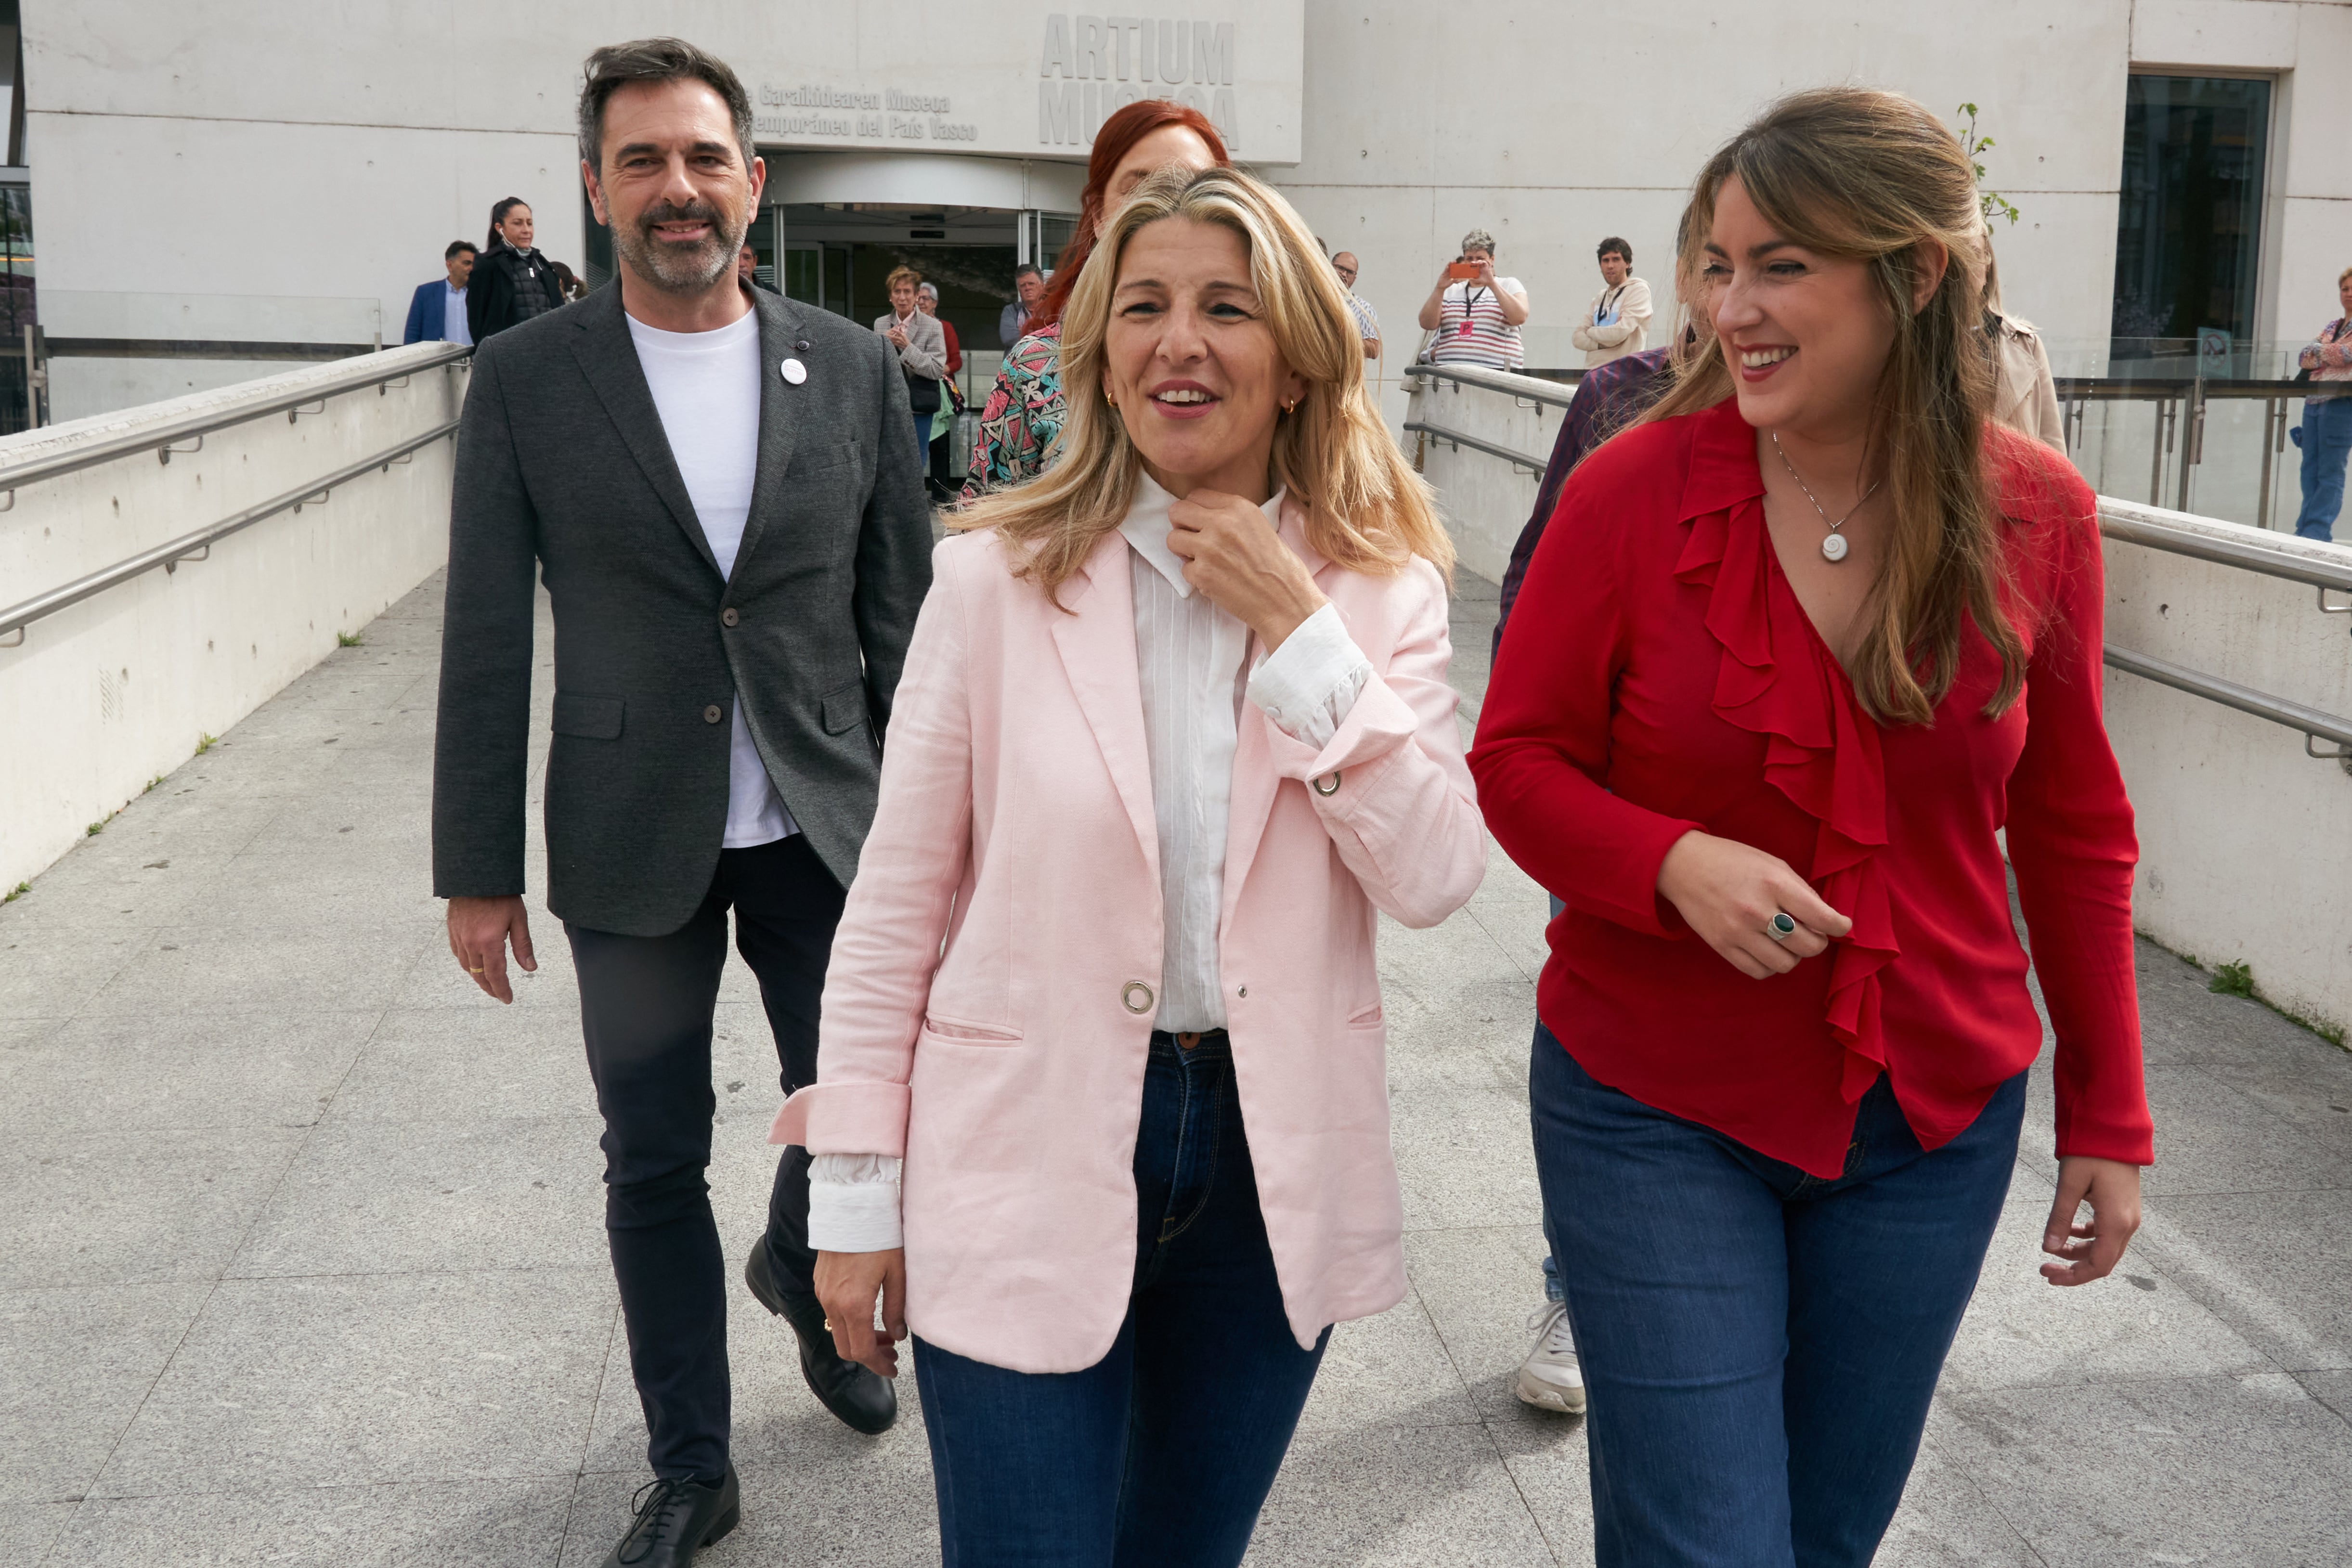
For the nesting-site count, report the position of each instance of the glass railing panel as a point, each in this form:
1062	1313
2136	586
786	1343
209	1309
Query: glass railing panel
2199	425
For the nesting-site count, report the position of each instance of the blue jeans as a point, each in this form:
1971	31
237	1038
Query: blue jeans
1760	1344
2327	436
922	428
1161	1454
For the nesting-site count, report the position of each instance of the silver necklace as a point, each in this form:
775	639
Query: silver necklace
1833	548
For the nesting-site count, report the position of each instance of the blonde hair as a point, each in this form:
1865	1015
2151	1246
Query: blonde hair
1366	509
901	275
1873	176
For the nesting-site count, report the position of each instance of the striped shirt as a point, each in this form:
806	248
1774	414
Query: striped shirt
1491	340
1368	325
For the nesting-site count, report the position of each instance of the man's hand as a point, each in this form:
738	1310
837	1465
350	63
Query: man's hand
2090	1248
479	929
847	1283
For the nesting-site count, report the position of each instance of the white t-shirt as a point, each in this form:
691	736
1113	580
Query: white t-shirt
706	387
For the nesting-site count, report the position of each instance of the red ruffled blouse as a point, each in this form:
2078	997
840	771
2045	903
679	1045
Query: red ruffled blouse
1658	674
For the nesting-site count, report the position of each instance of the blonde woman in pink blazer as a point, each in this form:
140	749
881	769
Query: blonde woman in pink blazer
1174	727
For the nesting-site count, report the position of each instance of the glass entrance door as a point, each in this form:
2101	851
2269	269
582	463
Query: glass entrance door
1040	237
2189	227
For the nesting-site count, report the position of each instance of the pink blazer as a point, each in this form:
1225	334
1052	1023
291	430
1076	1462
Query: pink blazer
988	1010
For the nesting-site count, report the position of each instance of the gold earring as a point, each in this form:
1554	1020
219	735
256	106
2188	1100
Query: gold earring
1109	401
1291	407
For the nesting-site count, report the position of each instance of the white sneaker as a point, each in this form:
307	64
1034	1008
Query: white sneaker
1549	1379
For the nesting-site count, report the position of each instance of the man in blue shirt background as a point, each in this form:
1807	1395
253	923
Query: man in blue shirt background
437	310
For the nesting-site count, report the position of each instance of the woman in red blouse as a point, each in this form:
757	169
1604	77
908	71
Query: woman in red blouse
1792	652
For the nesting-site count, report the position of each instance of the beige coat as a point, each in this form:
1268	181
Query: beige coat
1603	344
2024	398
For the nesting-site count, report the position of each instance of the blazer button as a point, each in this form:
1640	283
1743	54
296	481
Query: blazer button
1137	997
711	714
727	617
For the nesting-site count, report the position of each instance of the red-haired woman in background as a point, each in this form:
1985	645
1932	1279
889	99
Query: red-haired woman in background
1023	411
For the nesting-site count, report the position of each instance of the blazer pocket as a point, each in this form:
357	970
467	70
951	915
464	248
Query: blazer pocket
1367	1018
842	710
810	464
964	1033
588	718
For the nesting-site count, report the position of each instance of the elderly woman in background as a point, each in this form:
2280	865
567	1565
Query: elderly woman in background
1174	726
923	352
943	430
2325	433
1025	410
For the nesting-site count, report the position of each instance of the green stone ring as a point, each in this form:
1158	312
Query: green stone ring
1781	926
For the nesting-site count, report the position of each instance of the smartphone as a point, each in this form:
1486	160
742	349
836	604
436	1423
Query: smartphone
1462	271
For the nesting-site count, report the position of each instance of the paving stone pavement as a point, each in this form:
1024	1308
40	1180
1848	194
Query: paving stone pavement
301	1261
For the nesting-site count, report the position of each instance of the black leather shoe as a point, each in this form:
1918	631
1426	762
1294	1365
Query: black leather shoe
865	1402
676	1520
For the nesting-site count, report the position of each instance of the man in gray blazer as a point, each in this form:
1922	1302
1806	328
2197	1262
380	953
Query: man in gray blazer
715	487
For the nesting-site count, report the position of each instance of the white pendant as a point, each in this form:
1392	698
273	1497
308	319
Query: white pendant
1833	547
794	371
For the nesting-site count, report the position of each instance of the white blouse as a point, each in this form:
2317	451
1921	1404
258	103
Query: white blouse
1190	656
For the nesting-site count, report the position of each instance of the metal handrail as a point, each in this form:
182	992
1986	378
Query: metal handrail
149	437
16	617
2313	724
2184	533
1486	381
1534	465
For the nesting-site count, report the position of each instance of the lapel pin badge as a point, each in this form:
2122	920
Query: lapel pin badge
794	371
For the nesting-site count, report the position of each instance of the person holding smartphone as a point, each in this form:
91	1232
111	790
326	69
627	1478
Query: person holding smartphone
1475	315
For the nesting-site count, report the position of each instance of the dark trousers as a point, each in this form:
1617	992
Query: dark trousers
1760	1344
646	1006
1161	1454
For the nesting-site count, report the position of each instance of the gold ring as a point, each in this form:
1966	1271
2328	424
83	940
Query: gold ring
828	1323
474	969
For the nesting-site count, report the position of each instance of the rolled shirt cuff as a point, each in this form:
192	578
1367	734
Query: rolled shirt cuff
854	1203
1308	685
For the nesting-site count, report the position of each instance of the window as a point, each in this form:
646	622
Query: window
2189	227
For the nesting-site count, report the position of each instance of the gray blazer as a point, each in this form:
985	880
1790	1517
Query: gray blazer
926	353
561	465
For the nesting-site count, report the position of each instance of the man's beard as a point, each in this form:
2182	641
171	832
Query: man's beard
676	269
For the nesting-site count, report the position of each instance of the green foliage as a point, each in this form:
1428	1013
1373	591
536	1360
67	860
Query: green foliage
2232	981
151	785
346	640
94	829
206	742
17	892
1972	142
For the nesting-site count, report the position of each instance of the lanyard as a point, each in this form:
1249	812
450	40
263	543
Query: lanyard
1469	298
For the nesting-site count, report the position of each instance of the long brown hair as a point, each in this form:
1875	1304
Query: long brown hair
1115	141
1366	508
1875	177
